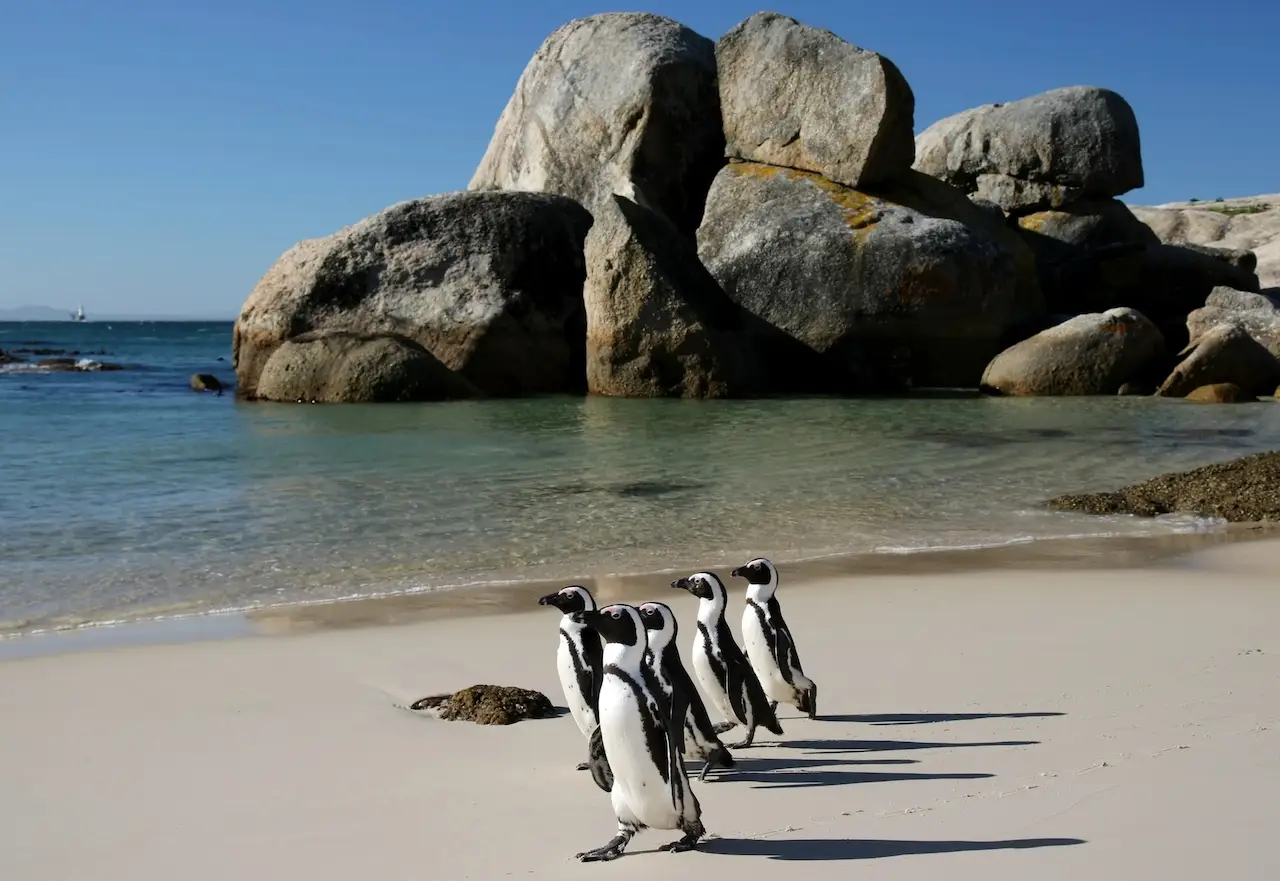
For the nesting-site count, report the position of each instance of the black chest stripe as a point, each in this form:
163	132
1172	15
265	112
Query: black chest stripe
655	736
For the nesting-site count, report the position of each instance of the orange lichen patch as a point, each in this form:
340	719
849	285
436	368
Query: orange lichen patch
861	211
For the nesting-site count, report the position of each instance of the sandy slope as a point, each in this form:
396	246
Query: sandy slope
984	725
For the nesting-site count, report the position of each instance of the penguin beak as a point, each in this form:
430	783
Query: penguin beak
548	600
590	619
738	573
681	584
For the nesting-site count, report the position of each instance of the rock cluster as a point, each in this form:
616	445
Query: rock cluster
658	214
1243	490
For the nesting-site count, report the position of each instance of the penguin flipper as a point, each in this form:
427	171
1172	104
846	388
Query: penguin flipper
594	664
785	653
598	762
762	712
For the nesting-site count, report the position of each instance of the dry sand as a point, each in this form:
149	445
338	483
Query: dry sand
999	725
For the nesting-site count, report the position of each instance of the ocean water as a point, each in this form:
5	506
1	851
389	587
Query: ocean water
126	496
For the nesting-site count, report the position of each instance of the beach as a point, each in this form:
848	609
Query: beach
1014	722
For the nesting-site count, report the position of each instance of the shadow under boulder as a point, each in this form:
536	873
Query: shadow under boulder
1243	490
339	366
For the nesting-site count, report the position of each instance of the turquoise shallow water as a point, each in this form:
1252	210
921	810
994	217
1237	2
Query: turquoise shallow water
127	496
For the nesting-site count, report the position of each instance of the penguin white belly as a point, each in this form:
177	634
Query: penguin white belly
579	708
639	794
762	661
711	687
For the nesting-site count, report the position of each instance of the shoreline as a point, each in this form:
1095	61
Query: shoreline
1078	553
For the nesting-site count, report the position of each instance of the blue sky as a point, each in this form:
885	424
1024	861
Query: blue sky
158	156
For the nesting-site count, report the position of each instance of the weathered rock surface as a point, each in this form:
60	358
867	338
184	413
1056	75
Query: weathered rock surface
617	103
1220	393
1241	491
206	382
1258	314
1045	151
489	283
801	97
1094	354
658	324
1248	224
488	705
340	366
888	291
1225	353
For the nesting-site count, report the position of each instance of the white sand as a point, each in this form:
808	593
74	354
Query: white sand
1090	725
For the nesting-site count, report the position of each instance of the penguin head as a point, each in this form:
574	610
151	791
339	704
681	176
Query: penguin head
703	585
574	598
619	624
658	618
761	576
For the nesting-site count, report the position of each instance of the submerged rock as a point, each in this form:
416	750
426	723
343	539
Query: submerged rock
489	705
1045	151
206	382
339	366
1220	393
1240	491
1094	354
623	102
801	97
489	283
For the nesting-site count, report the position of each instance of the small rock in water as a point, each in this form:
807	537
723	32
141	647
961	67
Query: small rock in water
488	705
206	382
1220	393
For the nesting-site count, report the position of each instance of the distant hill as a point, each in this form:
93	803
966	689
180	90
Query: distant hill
46	313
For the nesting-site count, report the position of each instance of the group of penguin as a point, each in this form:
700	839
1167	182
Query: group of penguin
633	700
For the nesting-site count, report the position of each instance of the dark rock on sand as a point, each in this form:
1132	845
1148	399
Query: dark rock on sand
801	97
206	382
338	366
1045	151
1220	393
1224	354
1240	491
489	283
1094	354
624	102
489	705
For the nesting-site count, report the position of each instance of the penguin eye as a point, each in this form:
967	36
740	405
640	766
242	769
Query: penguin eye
615	615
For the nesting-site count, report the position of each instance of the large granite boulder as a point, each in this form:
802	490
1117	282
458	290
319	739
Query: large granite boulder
1240	491
1226	353
801	97
1249	224
622	102
1092	354
1220	393
888	291
345	367
658	324
1258	314
1045	151
489	283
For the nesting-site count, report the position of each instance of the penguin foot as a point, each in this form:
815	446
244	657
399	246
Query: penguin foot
722	727
811	698
719	756
583	766
610	851
690	840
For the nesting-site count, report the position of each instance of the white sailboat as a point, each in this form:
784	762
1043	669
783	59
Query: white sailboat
79	314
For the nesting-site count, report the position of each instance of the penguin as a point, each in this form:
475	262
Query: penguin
771	648
697	736
724	672
578	659
650	785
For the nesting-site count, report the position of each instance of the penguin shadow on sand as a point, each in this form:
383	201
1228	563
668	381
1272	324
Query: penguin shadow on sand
803	849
